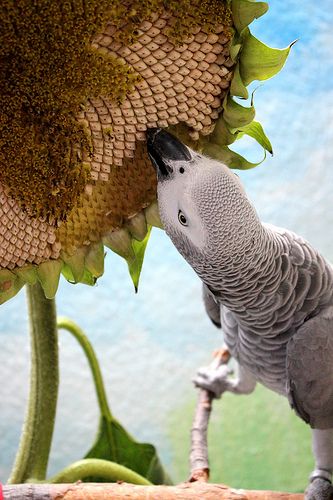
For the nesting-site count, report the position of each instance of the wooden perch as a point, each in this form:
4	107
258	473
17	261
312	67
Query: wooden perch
199	447
119	491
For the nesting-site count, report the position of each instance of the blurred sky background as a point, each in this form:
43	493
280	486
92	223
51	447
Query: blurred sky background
150	344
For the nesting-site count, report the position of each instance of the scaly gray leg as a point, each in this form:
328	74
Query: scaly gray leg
320	487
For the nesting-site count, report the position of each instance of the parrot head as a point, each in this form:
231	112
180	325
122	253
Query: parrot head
202	204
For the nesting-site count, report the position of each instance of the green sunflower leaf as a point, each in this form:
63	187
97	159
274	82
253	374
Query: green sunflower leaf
246	11
229	157
74	265
237	87
258	61
135	263
256	131
10	284
94	260
120	242
48	274
113	443
88	278
27	274
221	134
236	115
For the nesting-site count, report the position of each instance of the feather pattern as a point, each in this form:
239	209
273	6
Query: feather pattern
273	288
280	298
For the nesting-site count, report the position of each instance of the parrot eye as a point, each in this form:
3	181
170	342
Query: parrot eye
182	219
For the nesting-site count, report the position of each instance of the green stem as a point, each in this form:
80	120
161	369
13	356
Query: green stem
34	449
75	330
92	467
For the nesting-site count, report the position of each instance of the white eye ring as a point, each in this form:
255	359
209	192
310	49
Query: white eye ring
182	219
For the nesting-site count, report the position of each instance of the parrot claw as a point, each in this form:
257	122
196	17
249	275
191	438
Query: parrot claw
214	379
319	489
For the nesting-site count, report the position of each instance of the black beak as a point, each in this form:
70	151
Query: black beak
163	148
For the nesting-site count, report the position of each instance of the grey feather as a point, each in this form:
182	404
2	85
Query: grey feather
310	370
269	282
212	306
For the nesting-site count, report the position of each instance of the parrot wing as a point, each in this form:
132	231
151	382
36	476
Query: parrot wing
211	306
310	370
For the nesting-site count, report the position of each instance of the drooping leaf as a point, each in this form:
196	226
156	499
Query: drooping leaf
135	263
120	241
237	87
236	115
67	273
258	61
234	50
246	11
137	226
229	157
27	274
88	278
221	134
94	260
74	265
153	216
255	130
115	444
48	274
10	284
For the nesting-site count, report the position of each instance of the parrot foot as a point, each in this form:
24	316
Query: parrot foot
319	489
214	379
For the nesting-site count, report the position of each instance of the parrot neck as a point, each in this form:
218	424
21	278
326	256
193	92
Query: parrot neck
245	281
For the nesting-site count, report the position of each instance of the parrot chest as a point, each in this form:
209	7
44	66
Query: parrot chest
264	357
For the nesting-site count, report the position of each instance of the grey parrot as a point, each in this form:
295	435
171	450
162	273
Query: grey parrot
268	289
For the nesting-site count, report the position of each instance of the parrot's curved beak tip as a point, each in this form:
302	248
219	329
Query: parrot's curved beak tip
163	149
151	134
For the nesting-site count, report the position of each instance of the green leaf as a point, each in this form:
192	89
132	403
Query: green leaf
246	11
236	115
88	278
48	274
234	51
74	265
152	215
256	131
120	242
115	444
237	87
229	157
67	273
10	284
135	263
137	226
27	274
94	260
221	134
258	61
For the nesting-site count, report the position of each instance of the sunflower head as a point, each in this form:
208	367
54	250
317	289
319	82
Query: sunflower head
80	86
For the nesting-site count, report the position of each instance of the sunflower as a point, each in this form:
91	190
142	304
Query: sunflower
81	82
